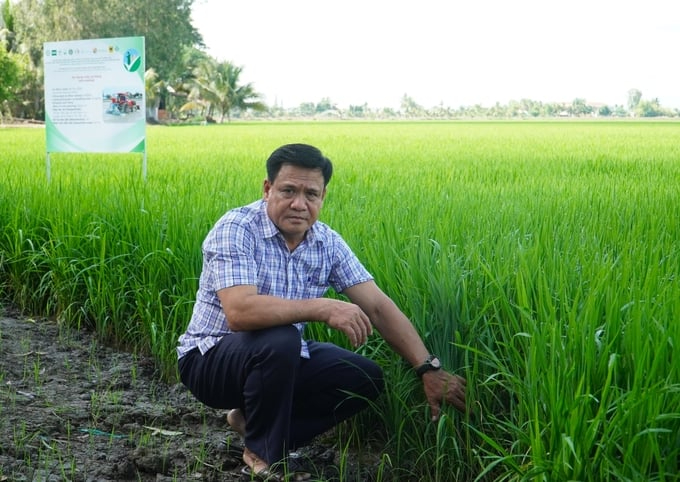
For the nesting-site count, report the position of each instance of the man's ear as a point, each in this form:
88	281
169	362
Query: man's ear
266	189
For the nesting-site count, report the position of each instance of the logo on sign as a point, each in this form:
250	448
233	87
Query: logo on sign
132	60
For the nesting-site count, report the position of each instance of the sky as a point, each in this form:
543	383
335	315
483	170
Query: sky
447	52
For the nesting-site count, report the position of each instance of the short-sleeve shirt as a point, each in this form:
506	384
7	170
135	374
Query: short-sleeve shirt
246	248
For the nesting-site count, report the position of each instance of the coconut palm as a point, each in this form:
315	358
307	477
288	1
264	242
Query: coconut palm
153	87
217	91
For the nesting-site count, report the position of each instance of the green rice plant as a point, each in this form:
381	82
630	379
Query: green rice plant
539	260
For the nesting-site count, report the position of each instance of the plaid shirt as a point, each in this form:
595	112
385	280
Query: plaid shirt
245	248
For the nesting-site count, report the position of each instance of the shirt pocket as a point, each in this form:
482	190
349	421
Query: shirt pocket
314	278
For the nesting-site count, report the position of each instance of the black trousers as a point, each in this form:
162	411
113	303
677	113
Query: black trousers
287	400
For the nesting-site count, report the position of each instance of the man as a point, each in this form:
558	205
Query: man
266	267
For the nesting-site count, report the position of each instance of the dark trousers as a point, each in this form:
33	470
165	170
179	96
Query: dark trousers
286	400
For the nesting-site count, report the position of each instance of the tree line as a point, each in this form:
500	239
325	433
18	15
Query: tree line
514	109
180	78
185	84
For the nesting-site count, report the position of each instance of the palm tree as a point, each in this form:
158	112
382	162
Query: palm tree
154	90
245	98
216	89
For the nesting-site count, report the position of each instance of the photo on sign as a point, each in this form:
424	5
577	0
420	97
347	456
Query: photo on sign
122	104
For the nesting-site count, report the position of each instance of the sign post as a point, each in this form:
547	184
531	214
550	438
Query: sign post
94	97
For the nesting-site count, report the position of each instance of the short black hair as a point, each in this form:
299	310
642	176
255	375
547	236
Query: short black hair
302	155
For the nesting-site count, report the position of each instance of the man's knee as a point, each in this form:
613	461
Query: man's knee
278	345
369	381
376	383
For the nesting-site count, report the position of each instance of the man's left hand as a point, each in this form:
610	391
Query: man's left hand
443	387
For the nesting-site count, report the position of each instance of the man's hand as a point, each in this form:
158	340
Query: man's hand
443	387
349	319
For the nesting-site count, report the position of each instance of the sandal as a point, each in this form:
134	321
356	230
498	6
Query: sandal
231	446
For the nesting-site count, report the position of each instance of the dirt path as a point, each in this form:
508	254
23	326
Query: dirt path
71	409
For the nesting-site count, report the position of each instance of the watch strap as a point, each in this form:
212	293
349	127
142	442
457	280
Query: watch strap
428	366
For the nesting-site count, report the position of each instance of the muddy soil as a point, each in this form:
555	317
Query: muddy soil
72	409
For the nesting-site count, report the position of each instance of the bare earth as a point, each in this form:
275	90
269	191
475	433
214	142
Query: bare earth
74	410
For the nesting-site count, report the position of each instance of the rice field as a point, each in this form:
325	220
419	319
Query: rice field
539	260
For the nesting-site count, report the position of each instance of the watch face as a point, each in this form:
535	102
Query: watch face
436	363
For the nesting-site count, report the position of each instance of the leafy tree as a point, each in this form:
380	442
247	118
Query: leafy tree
37	22
324	105
7	35
14	67
9	76
307	109
579	107
357	110
551	110
165	24
619	111
634	96
154	89
650	108
410	107
16	79
604	111
9	71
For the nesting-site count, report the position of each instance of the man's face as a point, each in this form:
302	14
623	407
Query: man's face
294	200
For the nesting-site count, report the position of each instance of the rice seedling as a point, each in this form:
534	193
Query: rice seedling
539	260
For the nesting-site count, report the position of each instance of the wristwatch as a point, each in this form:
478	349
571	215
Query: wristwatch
432	363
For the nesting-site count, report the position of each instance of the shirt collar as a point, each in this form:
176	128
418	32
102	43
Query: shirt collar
269	229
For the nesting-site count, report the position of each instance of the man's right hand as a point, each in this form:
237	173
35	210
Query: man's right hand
246	310
349	319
